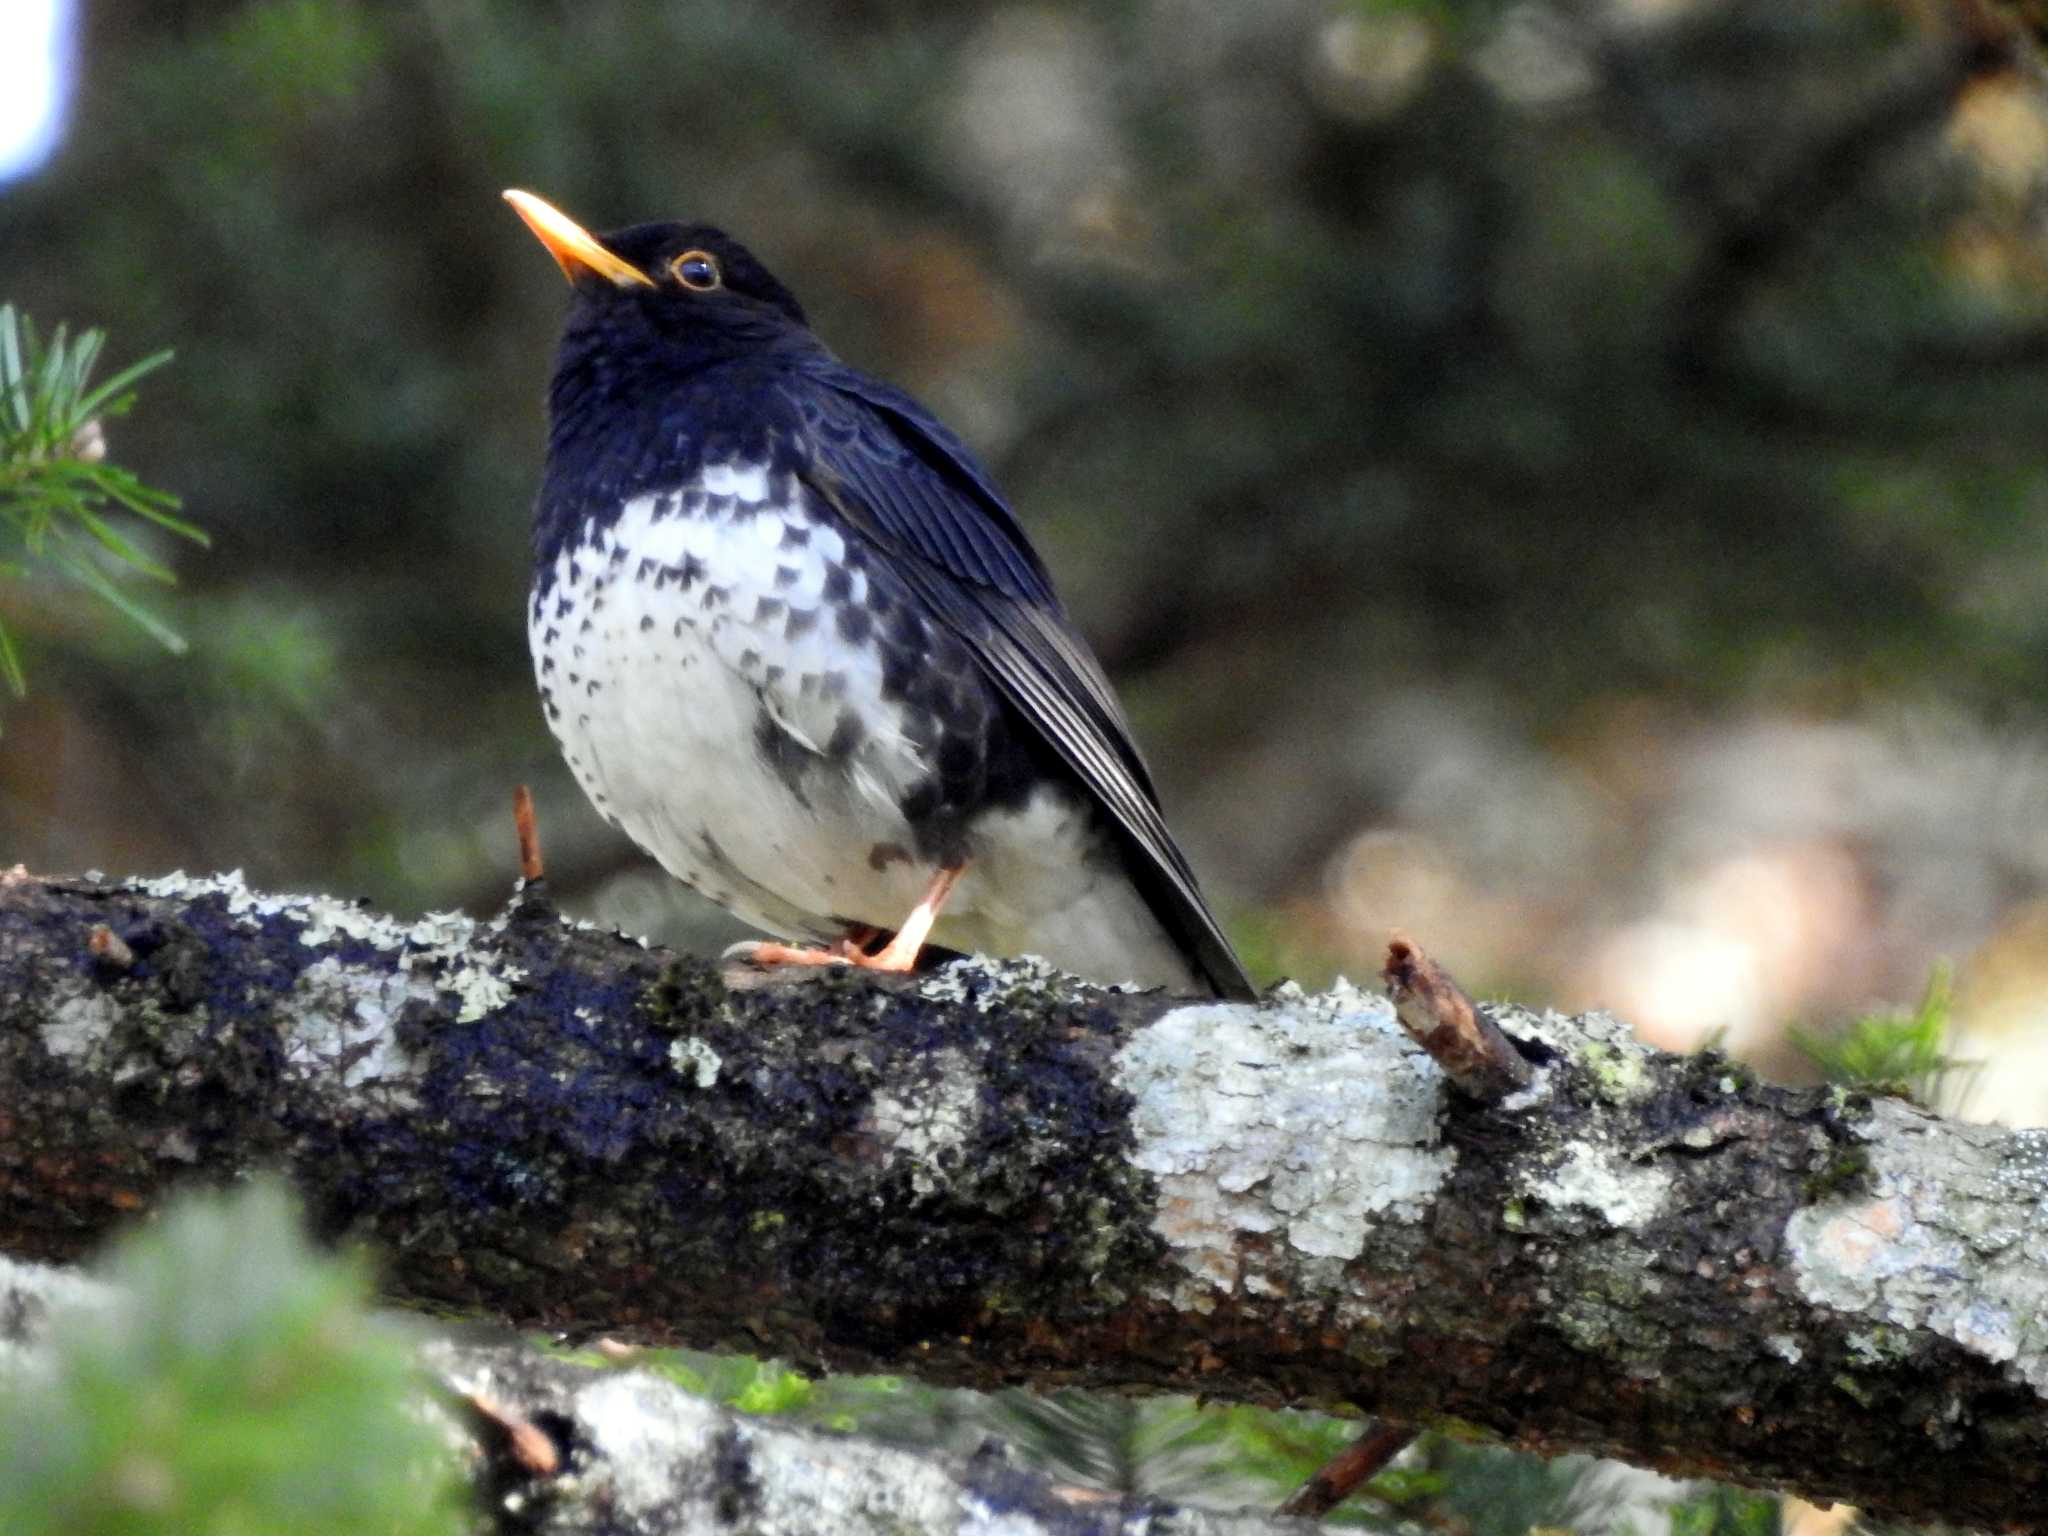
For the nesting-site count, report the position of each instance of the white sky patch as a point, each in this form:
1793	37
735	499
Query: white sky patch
36	62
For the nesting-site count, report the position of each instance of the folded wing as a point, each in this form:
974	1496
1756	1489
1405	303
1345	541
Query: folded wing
909	485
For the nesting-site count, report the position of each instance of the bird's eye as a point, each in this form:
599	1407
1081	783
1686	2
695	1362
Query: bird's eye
696	269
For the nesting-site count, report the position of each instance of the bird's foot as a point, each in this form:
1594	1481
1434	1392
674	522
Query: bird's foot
897	957
752	961
769	954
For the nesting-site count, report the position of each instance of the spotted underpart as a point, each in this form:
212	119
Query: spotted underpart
771	712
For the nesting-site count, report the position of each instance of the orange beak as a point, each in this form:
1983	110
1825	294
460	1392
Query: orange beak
572	246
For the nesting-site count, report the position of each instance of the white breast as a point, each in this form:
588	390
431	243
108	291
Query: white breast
675	645
663	646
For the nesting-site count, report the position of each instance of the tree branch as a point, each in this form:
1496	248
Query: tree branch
994	1174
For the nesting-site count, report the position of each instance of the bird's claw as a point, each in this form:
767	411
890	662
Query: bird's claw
763	955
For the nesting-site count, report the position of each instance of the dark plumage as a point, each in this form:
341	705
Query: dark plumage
795	642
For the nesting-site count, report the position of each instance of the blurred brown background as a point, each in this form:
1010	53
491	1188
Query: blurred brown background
1566	479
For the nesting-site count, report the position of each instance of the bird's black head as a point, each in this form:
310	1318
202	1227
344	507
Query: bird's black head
690	290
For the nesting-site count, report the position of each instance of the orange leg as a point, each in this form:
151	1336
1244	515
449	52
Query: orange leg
899	954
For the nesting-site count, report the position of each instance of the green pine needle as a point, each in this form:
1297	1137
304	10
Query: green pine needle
62	506
1901	1052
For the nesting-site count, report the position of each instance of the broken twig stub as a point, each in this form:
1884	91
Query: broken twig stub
1480	1061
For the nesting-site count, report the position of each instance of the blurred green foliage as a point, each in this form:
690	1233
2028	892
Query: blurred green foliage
235	1386
1895	1051
61	502
1726	1512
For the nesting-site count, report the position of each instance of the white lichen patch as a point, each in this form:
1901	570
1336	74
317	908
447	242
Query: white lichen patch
1312	1119
993	982
928	1120
694	1059
1596	1178
346	1018
78	1023
1947	1232
436	947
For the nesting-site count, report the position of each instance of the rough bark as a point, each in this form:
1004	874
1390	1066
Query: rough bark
557	1448
995	1175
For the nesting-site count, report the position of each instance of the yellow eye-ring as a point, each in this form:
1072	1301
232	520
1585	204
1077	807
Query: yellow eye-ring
696	269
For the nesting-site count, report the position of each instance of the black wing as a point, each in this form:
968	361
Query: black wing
912	487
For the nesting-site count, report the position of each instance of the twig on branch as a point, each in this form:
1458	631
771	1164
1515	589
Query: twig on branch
1481	1061
107	947
995	1174
531	869
509	1433
1349	1470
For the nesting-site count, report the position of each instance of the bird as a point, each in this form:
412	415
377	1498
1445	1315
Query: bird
794	643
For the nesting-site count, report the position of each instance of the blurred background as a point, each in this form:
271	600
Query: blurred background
1565	478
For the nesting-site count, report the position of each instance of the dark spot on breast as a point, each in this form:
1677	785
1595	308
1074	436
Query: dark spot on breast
801	622
716	596
554	709
547	665
679	629
838	584
592	688
786	757
749	659
773	675
575	678
785	576
767	609
561	607
618	555
795	535
847	735
663	507
550	635
646	622
854	624
882	855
